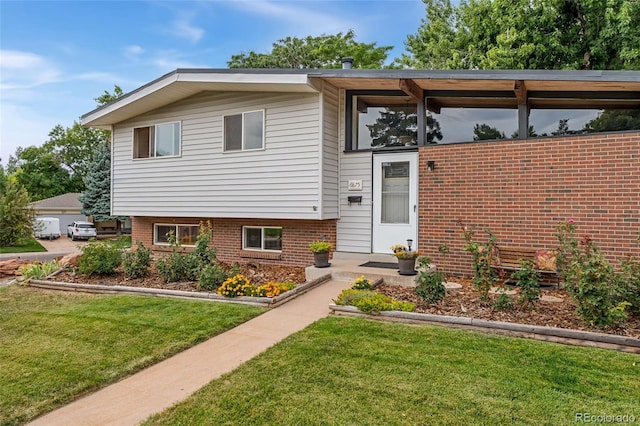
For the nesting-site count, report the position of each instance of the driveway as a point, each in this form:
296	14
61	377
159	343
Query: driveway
55	248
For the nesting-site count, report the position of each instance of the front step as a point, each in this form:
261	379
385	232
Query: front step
346	267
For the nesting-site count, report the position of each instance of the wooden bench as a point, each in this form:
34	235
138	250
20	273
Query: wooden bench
511	259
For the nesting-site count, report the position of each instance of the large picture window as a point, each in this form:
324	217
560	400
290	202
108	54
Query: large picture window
244	132
261	238
186	235
381	120
160	140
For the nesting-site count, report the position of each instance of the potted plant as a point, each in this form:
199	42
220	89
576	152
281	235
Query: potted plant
321	250
406	259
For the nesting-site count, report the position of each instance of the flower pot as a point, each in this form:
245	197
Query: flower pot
321	260
407	266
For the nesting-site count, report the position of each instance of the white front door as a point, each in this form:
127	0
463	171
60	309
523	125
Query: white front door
395	196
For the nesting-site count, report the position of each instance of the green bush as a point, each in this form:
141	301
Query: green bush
172	268
99	258
503	302
528	280
630	284
371	302
136	263
430	283
212	276
598	291
483	254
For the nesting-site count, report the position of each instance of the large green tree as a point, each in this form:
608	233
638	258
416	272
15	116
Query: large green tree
16	215
526	34
325	51
96	199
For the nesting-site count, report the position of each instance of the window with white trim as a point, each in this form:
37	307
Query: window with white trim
159	140
244	132
261	238
186	235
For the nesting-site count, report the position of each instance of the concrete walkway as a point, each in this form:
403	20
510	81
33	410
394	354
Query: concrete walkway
160	386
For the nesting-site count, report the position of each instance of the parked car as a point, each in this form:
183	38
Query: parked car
81	230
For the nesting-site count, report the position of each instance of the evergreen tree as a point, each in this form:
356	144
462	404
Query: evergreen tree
483	132
96	199
16	215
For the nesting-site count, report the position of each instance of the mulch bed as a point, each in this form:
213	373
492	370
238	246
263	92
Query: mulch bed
465	302
256	273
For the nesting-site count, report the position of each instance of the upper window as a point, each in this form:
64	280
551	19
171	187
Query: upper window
244	131
186	235
382	120
261	238
160	140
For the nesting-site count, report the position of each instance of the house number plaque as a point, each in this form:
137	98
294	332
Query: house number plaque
355	185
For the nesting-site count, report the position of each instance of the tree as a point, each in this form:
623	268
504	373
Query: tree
40	172
483	132
325	51
107	97
16	215
392	126
96	199
613	120
502	34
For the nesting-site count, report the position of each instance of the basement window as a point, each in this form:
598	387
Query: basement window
160	140
261	238
186	235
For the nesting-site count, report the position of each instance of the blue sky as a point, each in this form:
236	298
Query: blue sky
57	56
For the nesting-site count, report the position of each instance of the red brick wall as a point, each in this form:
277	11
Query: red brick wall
520	190
227	237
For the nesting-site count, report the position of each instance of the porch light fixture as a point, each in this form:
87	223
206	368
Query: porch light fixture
431	166
409	243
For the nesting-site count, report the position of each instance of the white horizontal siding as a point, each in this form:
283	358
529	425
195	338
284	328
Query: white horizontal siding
278	182
354	226
330	149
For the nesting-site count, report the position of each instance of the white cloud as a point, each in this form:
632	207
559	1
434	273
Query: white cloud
305	20
133	52
183	28
24	70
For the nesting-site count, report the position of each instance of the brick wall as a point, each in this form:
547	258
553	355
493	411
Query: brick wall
227	237
520	190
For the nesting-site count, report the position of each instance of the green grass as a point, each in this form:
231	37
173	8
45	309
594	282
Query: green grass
351	371
27	246
56	346
122	242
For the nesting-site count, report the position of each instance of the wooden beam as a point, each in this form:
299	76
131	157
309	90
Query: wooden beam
410	87
521	92
433	106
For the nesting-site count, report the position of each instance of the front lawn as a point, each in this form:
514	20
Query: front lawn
56	346
353	371
26	246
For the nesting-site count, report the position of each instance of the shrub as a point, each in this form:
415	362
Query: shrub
527	279
503	302
171	268
630	284
592	282
99	258
371	302
235	286
320	247
136	263
483	256
211	276
362	283
430	283
202	256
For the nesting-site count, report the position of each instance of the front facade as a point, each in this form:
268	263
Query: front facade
274	159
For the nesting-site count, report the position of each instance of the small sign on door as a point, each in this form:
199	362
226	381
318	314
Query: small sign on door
355	185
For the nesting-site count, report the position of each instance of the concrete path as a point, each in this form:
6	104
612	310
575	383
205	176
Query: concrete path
160	386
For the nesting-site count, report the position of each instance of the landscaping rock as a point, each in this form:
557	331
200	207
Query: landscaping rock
70	259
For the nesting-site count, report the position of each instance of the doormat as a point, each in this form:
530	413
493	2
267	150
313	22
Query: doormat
387	265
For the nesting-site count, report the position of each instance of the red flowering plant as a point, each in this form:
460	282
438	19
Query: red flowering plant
484	256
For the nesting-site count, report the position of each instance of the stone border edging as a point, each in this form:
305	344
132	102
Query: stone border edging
267	302
538	332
